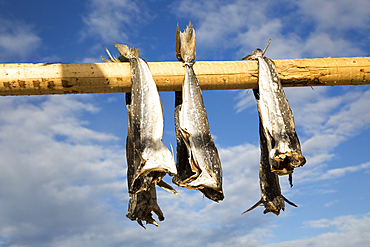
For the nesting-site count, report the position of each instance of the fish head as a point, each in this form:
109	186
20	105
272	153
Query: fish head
212	194
286	162
274	206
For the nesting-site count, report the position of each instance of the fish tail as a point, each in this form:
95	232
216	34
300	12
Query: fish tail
186	44
125	51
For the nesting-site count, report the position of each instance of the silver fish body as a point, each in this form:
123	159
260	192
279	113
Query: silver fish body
143	203
271	197
284	149
142	196
146	126
203	164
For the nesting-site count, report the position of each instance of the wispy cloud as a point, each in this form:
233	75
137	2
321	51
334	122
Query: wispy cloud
247	25
17	40
325	122
48	186
340	15
350	230
340	172
112	20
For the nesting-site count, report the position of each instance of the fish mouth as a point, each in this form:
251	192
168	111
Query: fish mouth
143	183
286	162
213	194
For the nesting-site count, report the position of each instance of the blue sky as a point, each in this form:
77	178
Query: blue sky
63	165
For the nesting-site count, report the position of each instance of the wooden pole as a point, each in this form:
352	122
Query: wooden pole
59	78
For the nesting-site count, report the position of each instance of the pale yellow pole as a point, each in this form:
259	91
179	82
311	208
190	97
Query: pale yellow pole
59	78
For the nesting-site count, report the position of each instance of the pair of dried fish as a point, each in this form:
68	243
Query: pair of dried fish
198	164
280	147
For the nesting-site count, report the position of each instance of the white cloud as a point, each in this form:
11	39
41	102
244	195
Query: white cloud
73	192
330	203
49	188
248	24
325	122
340	15
111	20
322	44
245	100
350	230
17	39
340	172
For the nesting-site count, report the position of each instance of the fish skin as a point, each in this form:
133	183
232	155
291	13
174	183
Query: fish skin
199	166
152	159
142	204
271	197
184	170
277	118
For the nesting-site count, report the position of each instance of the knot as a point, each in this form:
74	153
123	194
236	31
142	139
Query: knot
189	63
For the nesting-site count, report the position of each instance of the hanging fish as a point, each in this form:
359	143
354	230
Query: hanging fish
284	149
144	201
141	204
199	167
151	158
271	197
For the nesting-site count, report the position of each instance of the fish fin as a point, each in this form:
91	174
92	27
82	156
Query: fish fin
290	179
149	220
111	58
105	60
254	206
173	154
271	138
142	164
141	223
185	136
188	44
178	45
167	187
141	157
289	202
193	165
126	52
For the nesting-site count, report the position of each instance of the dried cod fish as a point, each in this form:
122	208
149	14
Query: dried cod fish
141	204
271	197
144	201
146	124
198	162
284	149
